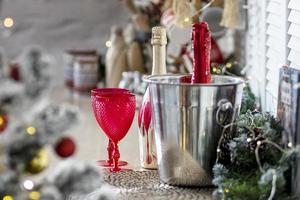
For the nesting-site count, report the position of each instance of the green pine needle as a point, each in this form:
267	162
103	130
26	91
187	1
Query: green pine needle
242	178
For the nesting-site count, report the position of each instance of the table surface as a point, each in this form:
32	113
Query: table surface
91	146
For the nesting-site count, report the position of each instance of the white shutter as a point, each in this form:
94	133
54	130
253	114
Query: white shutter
269	47
275	55
294	33
255	42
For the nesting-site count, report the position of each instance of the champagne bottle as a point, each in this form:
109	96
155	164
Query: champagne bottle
147	137
201	41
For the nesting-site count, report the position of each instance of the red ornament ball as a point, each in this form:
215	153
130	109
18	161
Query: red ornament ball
65	147
3	123
15	71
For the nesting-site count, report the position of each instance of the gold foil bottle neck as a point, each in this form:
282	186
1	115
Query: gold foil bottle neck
159	36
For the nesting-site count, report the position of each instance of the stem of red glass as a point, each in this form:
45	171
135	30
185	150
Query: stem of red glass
116	157
110	149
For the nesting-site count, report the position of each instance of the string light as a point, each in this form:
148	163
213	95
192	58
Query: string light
214	69
228	65
249	139
290	144
30	130
187	19
7	197
28	185
8	22
226	190
108	44
34	195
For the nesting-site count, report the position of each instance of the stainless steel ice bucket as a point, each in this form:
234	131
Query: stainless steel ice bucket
188	121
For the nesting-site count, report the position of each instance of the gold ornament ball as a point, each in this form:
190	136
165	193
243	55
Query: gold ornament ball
8	197
38	163
3	122
34	195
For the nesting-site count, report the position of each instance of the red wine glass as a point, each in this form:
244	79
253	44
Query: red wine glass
110	146
114	114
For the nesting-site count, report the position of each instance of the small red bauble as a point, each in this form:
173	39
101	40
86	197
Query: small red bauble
65	147
15	71
3	123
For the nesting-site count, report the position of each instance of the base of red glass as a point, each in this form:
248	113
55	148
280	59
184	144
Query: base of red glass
110	170
104	163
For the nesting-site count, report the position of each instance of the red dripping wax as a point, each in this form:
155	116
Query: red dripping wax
201	41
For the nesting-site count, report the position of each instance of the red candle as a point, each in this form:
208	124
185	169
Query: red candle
201	41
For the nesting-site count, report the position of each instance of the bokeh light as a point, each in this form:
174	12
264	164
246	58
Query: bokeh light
228	65
8	22
108	43
28	185
34	195
31	130
187	19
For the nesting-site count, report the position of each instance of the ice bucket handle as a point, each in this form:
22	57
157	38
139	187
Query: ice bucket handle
224	111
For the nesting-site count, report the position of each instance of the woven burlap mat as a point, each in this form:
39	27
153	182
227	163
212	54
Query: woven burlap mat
146	185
